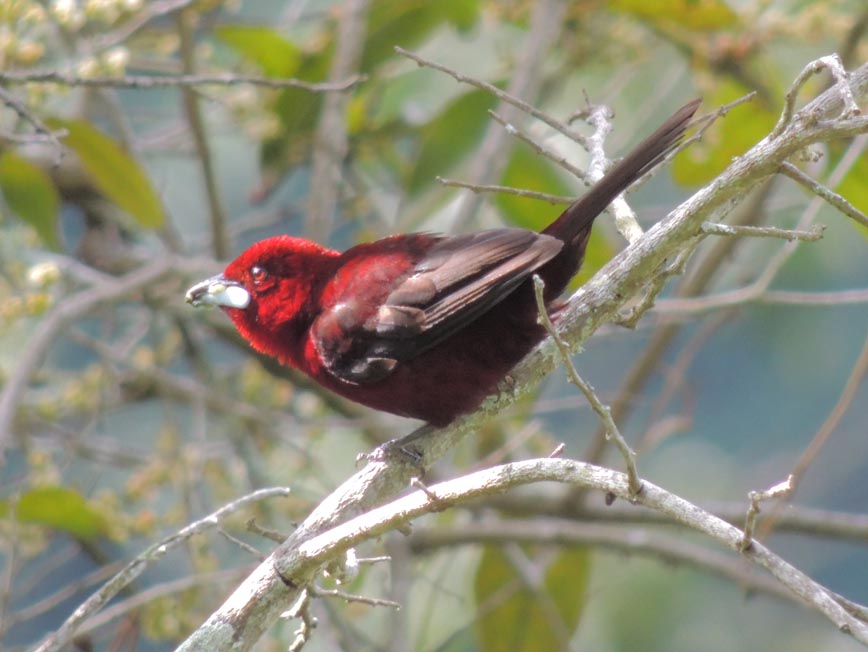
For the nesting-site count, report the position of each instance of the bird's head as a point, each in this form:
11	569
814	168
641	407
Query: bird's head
267	287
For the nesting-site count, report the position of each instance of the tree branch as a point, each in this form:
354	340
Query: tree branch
220	239
161	81
262	596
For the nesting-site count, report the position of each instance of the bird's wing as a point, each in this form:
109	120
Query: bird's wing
451	284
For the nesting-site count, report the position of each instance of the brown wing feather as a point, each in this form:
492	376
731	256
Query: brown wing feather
462	277
450	285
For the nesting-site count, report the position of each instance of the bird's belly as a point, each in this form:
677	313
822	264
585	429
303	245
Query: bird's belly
453	377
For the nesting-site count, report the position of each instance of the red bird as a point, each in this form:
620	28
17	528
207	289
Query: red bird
419	325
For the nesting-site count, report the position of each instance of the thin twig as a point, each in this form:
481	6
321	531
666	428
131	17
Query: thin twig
161	81
804	298
555	157
374	560
255	528
301	610
42	130
756	497
744	295
824	193
319	592
812	235
850	158
849	127
831	63
602	411
246	547
704	123
508	190
219	237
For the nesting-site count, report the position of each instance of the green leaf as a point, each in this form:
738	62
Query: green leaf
567	583
449	137
274	55
58	508
513	618
463	14
117	174
29	192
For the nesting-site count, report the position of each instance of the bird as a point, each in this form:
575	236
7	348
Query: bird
420	325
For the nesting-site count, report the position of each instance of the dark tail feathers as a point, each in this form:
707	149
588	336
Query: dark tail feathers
575	221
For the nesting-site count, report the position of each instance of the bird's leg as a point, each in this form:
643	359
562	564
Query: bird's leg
401	449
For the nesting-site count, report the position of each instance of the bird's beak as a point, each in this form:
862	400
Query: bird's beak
218	291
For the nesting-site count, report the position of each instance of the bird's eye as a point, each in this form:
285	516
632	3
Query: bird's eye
258	274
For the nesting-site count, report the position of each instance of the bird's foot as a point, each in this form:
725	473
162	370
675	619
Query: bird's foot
400	450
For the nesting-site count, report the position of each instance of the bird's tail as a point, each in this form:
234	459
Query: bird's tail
575	222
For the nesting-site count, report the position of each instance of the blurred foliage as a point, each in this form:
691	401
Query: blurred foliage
693	15
114	172
274	55
59	508
448	138
853	185
28	192
715	151
515	617
144	415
